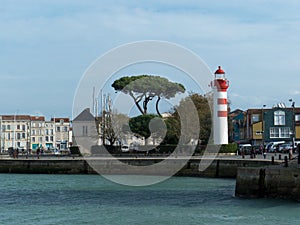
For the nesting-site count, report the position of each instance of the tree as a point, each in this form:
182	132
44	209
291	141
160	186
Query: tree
173	131
144	88
112	126
204	114
140	125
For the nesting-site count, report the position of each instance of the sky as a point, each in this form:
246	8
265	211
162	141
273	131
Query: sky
47	45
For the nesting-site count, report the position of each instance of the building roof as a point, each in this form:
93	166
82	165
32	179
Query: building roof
85	115
37	118
15	117
220	70
57	120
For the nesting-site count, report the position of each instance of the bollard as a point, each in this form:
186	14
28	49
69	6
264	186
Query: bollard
286	164
273	159
279	157
290	155
298	149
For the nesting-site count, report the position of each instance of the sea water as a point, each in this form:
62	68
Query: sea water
91	199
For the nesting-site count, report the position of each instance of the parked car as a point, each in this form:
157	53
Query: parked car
245	149
125	148
285	148
272	147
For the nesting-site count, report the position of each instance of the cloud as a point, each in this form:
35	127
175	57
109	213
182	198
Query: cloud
256	43
294	92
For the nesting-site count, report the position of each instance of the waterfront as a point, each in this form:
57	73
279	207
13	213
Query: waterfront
90	199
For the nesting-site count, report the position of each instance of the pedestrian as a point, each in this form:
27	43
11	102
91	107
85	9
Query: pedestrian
14	152
265	153
38	152
291	154
252	152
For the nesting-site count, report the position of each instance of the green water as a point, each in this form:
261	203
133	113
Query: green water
90	199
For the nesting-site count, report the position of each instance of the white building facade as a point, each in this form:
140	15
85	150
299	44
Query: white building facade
32	132
14	131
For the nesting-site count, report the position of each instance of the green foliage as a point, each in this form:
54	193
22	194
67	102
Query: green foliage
144	88
229	148
204	115
163	149
173	131
75	150
140	125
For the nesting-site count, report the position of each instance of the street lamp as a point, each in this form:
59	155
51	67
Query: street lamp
262	126
293	123
1	134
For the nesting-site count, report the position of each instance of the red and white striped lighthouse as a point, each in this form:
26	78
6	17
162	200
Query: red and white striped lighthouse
220	122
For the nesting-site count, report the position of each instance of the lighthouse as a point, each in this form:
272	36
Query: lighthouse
220	121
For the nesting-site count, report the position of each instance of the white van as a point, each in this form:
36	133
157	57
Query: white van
245	148
271	147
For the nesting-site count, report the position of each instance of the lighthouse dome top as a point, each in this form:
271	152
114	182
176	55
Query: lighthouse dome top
220	70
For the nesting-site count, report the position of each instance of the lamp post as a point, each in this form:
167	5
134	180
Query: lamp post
293	123
262	126
1	134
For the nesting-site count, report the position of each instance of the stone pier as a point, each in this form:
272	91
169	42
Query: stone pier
269	182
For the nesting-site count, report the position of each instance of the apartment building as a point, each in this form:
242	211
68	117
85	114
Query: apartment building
32	132
62	129
14	131
260	126
37	125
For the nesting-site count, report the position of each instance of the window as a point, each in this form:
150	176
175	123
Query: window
84	131
18	136
47	132
33	139
279	117
51	138
46	138
279	132
8	127
255	118
58	129
23	127
18	126
297	117
65	129
23	135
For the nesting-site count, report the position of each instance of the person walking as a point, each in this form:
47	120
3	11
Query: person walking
264	153
38	152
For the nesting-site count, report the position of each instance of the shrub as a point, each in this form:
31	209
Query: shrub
229	148
74	150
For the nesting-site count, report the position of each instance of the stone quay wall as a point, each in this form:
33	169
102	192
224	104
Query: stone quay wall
269	182
222	168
